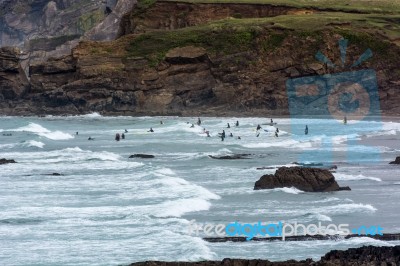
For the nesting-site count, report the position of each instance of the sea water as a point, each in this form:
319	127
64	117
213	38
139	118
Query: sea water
107	209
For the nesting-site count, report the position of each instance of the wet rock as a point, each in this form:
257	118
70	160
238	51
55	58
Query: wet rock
362	256
397	161
143	156
5	161
231	157
305	179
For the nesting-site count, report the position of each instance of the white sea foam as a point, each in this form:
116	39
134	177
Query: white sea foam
321	217
283	144
345	209
44	132
177	208
347	177
56	135
92	115
32	127
34	143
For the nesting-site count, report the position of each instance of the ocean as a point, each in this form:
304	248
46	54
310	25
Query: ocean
108	209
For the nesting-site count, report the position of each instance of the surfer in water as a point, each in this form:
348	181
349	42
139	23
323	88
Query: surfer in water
198	121
277	130
208	134
151	130
222	135
126	131
192	126
77	133
306	130
123	136
229	126
272	121
276	134
345	120
161	122
237	123
239	137
231	135
258	127
90	138
117	137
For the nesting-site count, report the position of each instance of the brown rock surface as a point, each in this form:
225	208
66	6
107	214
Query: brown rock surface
305	179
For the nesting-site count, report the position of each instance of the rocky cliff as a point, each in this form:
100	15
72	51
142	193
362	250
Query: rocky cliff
50	28
223	59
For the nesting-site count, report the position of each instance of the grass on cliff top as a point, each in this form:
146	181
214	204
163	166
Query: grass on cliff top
365	6
230	36
234	35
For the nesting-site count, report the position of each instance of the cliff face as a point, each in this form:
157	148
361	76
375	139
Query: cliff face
13	82
175	15
226	67
46	28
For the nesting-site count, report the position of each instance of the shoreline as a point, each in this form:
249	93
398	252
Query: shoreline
362	256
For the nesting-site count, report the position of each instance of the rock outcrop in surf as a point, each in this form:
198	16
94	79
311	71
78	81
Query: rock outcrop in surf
367	255
5	161
305	179
143	156
397	161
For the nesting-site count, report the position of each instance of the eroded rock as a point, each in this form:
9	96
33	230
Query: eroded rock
305	179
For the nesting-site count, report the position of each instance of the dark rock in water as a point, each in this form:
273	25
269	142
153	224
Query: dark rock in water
144	156
369	255
305	179
266	168
54	174
5	161
231	157
363	256
384	237
397	161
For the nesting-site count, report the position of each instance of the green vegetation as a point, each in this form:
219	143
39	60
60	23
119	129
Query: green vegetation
89	20
217	39
367	6
143	5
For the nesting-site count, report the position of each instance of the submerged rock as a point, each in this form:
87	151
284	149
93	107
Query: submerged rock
231	157
363	256
305	179
397	161
144	156
5	161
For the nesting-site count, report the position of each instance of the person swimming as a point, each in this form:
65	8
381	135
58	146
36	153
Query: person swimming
117	137
237	123
258	127
229	126
306	130
223	135
151	130
123	136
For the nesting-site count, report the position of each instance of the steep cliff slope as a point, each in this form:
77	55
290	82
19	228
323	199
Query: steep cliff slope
216	59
